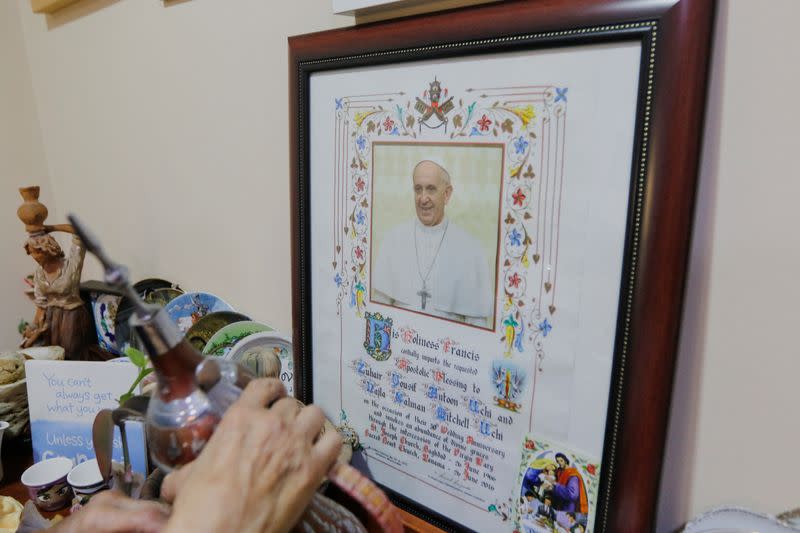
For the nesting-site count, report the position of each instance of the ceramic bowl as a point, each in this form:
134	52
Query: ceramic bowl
47	485
85	478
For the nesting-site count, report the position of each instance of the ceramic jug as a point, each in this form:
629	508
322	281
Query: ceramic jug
32	212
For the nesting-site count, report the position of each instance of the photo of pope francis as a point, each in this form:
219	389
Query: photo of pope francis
429	264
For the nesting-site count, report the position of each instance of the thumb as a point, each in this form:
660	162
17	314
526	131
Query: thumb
174	481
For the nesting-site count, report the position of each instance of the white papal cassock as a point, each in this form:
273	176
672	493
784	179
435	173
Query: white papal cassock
447	261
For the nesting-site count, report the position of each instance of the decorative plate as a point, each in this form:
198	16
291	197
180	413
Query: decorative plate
188	308
148	285
224	339
122	329
251	350
737	520
162	297
104	309
205	328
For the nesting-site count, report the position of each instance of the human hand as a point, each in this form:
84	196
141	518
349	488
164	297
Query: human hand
31	335
258	471
112	512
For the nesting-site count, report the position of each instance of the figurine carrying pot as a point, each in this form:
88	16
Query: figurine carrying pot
61	317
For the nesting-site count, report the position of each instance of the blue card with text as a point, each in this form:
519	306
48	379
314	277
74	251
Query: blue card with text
63	399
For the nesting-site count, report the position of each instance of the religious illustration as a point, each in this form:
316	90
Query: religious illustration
509	380
448	207
438	258
455	268
557	489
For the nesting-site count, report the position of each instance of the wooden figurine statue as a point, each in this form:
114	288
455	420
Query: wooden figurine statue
61	317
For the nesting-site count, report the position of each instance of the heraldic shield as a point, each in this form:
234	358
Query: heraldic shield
378	337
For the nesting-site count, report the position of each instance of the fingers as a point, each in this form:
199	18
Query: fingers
112	512
309	422
174	481
325	452
286	408
262	393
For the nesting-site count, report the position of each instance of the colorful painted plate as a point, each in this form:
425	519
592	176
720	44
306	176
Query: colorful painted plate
162	297
251	350
202	330
224	339
104	309
188	308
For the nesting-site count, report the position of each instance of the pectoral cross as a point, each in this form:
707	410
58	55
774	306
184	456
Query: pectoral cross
424	295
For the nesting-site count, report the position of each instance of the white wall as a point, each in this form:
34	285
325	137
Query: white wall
22	163
165	127
734	429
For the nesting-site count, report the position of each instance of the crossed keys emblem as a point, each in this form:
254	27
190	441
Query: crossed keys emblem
434	108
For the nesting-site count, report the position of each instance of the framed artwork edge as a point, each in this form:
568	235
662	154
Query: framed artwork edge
646	346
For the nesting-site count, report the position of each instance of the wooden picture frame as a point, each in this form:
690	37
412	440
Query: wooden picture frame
674	38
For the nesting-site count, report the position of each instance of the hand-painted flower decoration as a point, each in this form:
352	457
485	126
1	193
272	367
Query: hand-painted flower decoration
514	281
545	327
359	253
592	469
507	125
511	322
338	102
520	145
361	142
484	122
515	237
338	280
360	184
530	445
360	217
561	94
388	124
519	197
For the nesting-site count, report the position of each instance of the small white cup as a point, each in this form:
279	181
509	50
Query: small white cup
47	485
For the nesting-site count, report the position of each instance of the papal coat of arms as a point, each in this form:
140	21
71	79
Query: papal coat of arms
378	337
434	110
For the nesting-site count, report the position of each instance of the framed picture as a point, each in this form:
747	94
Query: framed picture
491	216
